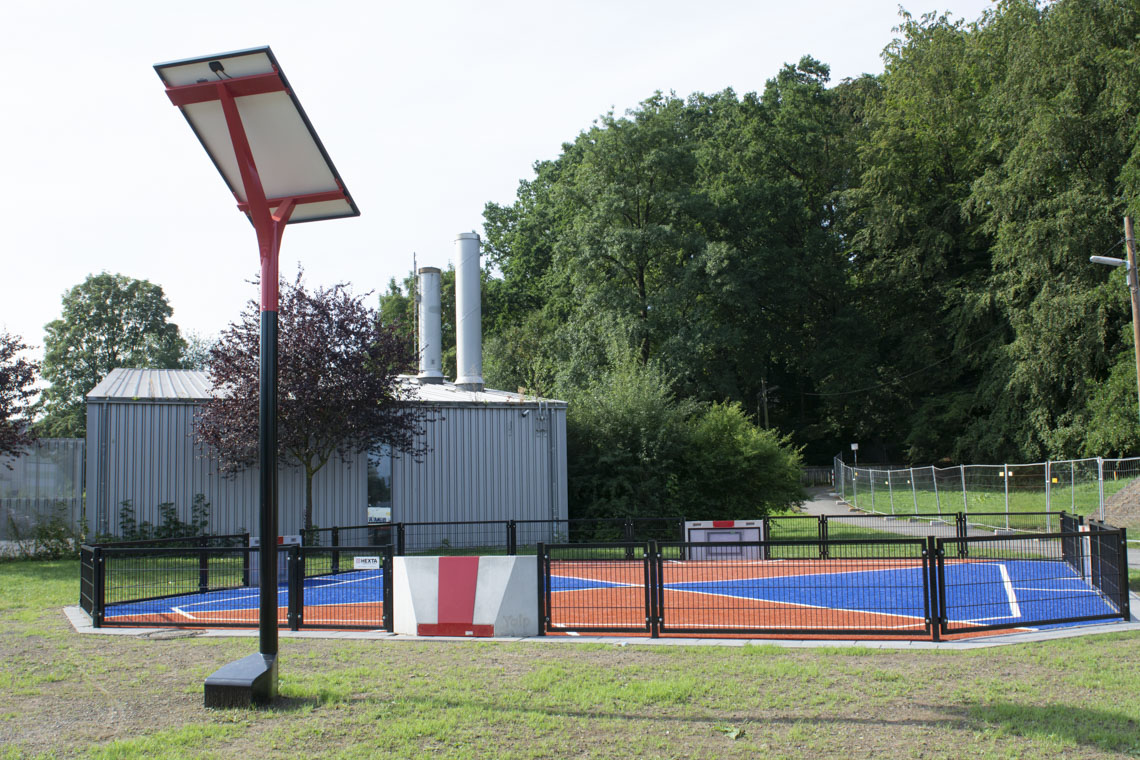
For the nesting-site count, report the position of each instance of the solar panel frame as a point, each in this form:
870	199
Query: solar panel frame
292	161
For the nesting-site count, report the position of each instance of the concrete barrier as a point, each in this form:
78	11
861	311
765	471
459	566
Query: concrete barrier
465	596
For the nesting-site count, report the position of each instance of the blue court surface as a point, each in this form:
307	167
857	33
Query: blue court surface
361	588
1024	593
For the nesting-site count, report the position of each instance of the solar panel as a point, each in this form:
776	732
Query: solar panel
290	159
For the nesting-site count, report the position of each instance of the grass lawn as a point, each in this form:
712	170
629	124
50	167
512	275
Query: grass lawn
119	697
1082	498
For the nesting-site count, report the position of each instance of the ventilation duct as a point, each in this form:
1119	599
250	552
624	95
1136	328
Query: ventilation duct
468	314
430	332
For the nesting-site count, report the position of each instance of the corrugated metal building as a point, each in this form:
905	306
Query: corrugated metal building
43	483
494	456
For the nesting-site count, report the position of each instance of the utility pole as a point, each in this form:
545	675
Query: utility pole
764	391
1134	288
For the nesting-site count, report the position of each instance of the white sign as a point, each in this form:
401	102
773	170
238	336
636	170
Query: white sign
854	447
365	563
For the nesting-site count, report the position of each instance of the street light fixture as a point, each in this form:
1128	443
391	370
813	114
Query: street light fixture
1133	287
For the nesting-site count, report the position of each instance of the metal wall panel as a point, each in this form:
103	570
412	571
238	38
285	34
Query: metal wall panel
486	463
145	452
43	484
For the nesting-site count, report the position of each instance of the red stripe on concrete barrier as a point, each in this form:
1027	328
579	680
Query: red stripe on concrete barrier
458	579
454	629
724	523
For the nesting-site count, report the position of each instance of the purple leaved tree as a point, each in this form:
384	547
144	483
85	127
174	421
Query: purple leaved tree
17	376
339	391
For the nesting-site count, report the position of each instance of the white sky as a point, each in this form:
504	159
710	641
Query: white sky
428	109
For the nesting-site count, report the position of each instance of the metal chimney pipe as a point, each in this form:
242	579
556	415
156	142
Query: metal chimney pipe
468	314
431	332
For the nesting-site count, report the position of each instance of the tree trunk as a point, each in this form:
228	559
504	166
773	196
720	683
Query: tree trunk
309	472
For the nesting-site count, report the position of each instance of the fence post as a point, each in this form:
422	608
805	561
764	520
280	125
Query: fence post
933	616
335	554
871	474
824	551
913	489
963	532
934	480
203	566
389	616
1073	486
855	487
962	472
296	582
1122	563
512	538
98	570
765	536
653	557
540	551
1100	484
399	539
1048	496
1005	479
890	492
245	562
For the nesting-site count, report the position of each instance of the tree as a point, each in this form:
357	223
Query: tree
197	351
17	376
108	321
339	391
636	450
701	233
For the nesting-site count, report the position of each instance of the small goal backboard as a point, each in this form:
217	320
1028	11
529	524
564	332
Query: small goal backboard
729	537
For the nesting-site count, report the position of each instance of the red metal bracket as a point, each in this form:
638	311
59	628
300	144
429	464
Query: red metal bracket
238	87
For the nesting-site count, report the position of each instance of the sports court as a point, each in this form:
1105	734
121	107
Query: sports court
911	588
832	597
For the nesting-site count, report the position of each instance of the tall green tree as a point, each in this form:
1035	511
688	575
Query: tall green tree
107	321
699	233
1063	117
919	263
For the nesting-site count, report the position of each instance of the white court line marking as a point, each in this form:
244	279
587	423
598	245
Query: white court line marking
342	583
1009	592
226	600
179	611
609	584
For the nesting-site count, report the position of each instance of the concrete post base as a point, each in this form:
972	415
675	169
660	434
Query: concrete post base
250	680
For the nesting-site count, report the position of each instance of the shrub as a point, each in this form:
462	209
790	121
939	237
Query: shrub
635	450
50	536
170	526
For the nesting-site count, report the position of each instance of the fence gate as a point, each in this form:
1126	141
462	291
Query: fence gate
597	588
1030	580
879	587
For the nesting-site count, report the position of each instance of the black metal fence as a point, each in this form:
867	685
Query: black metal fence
523	536
495	536
921	586
1032	580
209	586
845	574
